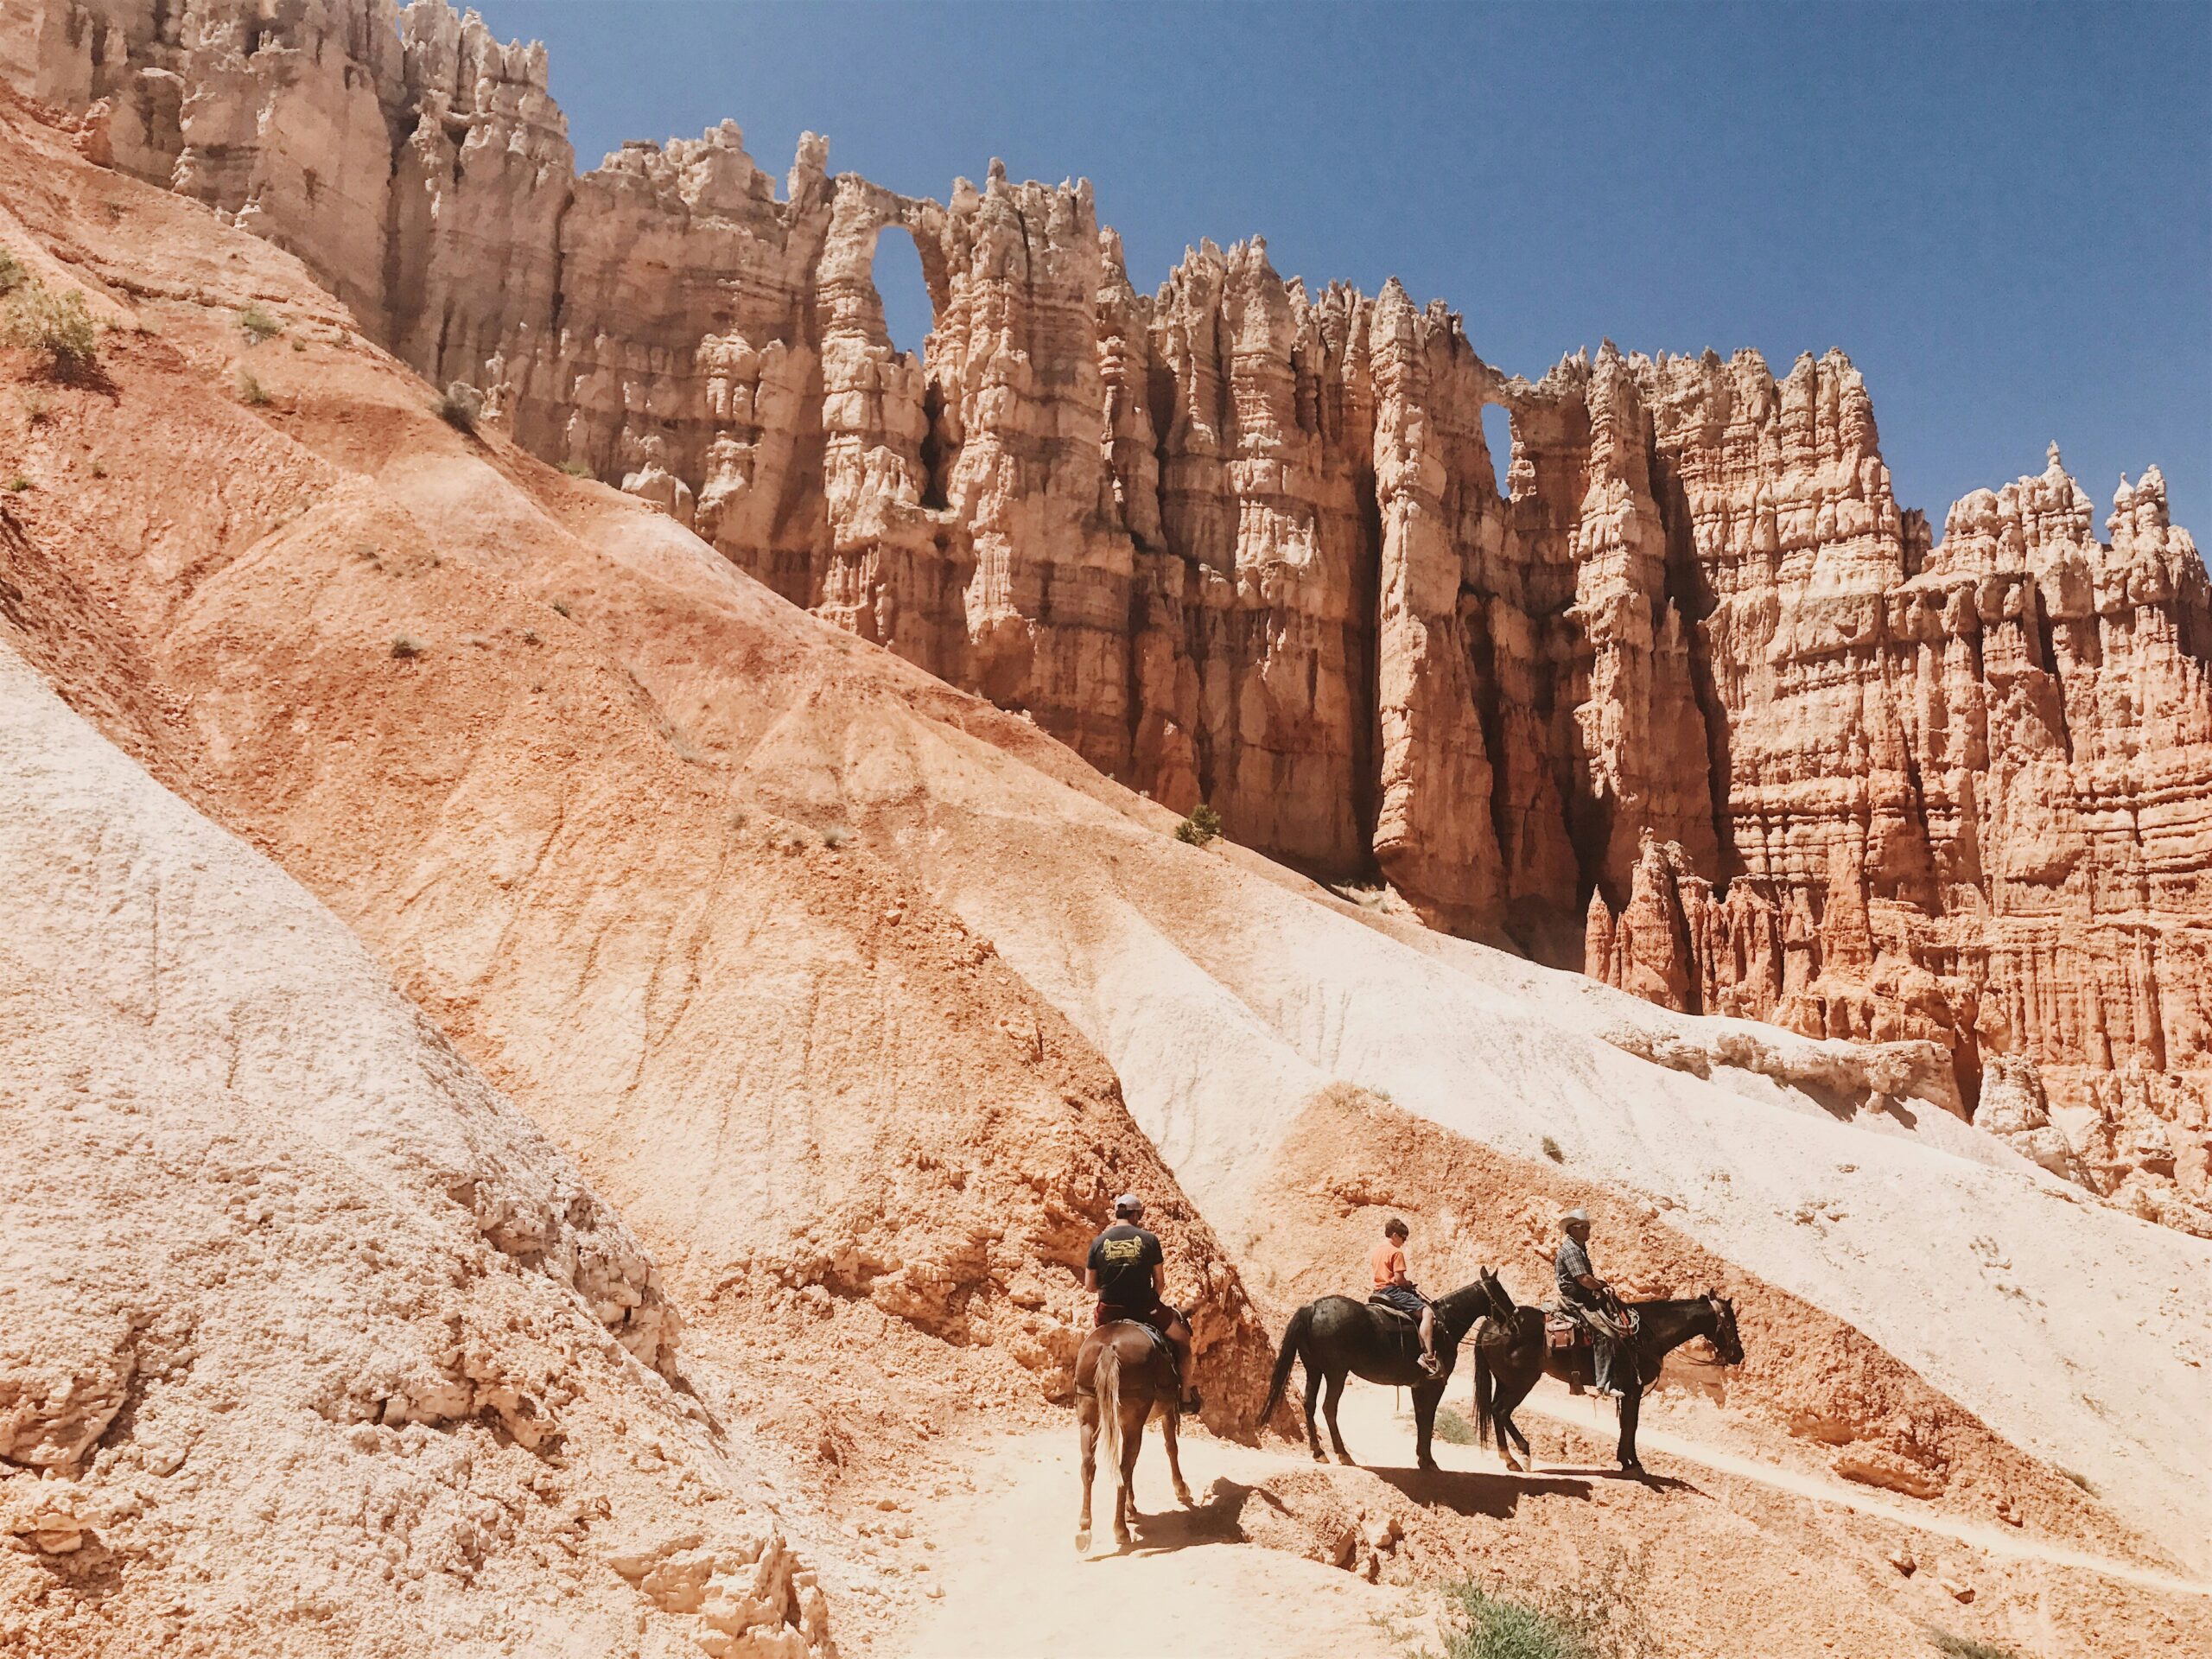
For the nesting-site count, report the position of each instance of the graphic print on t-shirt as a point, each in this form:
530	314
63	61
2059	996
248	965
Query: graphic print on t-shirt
1123	1257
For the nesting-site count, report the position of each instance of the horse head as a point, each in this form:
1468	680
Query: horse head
1501	1300
1725	1340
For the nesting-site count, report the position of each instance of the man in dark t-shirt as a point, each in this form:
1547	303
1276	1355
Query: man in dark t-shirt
1128	1272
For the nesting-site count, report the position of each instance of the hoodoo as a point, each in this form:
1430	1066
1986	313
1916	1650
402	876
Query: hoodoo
609	873
1239	542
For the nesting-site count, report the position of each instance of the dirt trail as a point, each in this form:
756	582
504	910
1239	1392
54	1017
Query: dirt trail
1013	1583
1005	1578
1551	1400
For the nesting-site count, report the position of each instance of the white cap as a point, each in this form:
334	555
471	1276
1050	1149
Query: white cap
1130	1201
1573	1215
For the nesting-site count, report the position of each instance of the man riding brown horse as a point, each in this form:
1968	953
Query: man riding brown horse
1128	1272
1589	1299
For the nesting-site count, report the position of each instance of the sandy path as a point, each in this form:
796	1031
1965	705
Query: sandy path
1007	1580
1552	1400
1014	1585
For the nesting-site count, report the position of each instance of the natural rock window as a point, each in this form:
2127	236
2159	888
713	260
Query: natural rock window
1498	433
907	316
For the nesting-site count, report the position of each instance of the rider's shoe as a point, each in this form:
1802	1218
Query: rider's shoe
1194	1402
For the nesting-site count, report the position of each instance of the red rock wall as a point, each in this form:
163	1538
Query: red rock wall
1692	704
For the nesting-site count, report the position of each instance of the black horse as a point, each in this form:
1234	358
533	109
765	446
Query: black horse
1510	1354
1337	1335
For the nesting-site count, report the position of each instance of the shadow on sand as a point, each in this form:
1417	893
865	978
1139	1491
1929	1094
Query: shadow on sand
1212	1521
1466	1491
1217	1519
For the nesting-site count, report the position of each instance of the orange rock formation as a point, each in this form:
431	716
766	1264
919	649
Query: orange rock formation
1694	704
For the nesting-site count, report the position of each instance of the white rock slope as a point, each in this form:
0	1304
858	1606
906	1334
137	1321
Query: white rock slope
310	1343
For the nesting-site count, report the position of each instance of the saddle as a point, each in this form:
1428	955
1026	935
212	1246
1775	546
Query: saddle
1377	1302
1564	1330
1160	1342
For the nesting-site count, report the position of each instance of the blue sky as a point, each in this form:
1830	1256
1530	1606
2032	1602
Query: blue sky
2002	213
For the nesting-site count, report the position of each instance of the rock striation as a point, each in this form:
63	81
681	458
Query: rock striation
1692	703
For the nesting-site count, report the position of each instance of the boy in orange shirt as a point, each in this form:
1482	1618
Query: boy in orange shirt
1393	1287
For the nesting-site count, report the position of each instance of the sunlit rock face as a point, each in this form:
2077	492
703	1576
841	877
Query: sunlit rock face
1691	702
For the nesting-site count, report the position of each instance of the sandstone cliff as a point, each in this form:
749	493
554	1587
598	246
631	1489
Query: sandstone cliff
1694	704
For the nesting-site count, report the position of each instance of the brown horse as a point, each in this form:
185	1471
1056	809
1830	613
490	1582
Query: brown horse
1511	1353
1122	1376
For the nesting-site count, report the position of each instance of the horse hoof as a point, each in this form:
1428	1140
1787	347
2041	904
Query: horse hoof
1344	1457
1082	1540
1515	1465
1320	1456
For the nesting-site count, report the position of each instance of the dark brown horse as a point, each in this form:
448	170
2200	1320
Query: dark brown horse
1335	1336
1510	1354
1122	1376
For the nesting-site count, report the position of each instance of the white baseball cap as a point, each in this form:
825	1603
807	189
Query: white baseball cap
1130	1203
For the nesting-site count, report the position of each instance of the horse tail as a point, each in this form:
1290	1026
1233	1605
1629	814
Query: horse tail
1293	1340
1485	1397
1106	1383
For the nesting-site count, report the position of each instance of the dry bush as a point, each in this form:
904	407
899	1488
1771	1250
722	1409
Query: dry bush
58	326
1960	1647
1598	1616
404	645
461	407
1200	828
252	391
1454	1429
258	324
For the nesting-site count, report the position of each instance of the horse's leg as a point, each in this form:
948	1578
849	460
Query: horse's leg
1312	1410
1336	1434
1086	1418
1520	1440
1426	1398
1136	1405
1512	1389
1632	1407
1167	1427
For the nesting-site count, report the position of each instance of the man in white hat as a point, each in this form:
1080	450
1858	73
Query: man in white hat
1128	1272
1583	1294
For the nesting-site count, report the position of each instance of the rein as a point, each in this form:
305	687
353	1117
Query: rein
1456	1313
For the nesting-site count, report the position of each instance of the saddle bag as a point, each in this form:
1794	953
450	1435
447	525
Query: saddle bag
1560	1330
